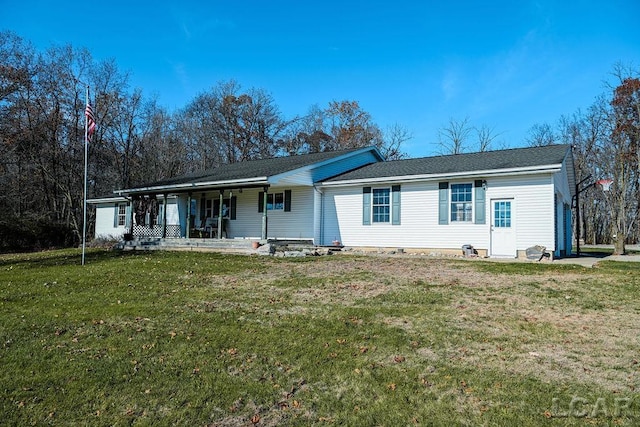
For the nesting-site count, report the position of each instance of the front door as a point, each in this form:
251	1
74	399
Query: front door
503	234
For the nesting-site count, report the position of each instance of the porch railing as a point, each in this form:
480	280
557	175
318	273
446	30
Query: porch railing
156	231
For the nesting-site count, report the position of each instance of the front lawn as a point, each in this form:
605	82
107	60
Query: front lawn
184	338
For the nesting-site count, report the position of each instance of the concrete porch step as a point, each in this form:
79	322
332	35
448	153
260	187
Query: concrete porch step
272	246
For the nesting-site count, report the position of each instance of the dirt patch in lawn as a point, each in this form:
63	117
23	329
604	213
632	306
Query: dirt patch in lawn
554	325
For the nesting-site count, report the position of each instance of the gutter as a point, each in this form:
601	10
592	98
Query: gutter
194	185
430	177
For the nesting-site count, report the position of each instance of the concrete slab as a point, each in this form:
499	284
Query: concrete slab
590	261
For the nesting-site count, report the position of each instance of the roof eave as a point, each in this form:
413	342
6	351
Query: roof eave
112	199
181	188
465	174
281	176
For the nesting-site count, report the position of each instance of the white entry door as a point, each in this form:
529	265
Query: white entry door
503	233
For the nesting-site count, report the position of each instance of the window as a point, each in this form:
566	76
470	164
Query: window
208	208
461	203
280	201
122	215
381	205
275	201
502	214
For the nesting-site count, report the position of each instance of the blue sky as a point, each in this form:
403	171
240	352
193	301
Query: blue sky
505	64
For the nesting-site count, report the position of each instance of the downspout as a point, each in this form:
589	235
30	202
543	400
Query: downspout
321	222
264	214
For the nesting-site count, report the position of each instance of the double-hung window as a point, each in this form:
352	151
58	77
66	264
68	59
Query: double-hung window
381	204
122	215
461	203
275	201
280	201
208	208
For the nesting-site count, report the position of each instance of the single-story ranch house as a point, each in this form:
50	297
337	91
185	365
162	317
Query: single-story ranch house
500	202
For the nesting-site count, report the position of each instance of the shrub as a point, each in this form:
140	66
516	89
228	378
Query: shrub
29	234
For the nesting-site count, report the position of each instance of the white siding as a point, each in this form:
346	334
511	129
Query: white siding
561	183
297	224
105	219
419	228
105	213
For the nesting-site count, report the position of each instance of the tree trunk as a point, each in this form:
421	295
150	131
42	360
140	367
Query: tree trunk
618	238
618	245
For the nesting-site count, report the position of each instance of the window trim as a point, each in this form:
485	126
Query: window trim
284	206
383	205
467	214
274	205
122	214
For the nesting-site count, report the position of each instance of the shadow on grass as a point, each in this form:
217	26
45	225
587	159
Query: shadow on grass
595	254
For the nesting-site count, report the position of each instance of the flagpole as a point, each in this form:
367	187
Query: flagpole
86	156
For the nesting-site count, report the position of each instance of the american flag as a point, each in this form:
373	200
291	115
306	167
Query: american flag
91	121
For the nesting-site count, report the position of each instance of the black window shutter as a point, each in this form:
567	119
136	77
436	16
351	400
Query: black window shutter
261	201
287	200
202	202
233	203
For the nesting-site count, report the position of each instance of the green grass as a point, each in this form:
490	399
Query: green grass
182	338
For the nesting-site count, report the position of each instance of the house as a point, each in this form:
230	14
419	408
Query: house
500	202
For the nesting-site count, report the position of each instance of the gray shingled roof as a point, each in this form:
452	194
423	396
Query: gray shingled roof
250	169
457	163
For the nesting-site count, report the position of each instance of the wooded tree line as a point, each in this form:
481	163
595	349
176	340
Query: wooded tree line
42	104
605	139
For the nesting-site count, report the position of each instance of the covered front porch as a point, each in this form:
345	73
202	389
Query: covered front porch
251	213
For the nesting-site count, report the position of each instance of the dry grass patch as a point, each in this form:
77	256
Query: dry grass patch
209	339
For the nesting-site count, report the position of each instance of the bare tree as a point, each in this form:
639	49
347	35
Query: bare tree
624	155
541	134
453	137
343	125
486	136
307	134
394	137
226	125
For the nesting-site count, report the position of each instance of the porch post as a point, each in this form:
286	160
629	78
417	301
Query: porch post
264	213
132	214
220	218
164	216
188	233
